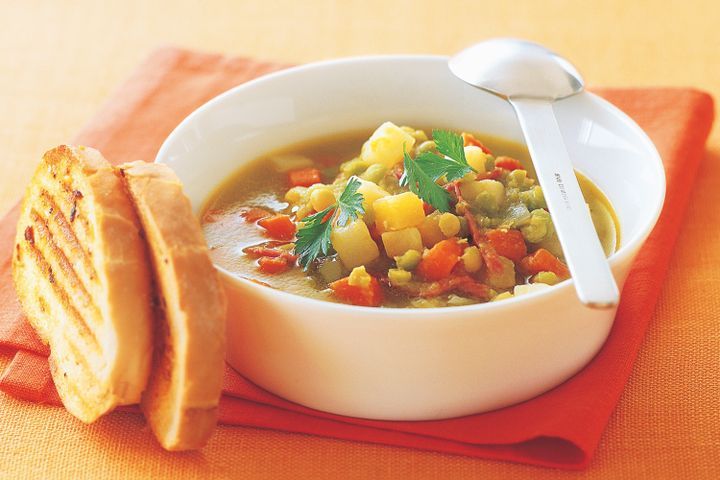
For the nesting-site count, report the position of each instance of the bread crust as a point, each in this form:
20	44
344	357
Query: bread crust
183	392
81	273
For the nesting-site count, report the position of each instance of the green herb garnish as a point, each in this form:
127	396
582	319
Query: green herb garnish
313	238
421	174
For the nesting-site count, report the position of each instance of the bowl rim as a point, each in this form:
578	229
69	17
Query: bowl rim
627	249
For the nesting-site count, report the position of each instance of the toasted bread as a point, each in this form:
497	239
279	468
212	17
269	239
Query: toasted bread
182	396
81	272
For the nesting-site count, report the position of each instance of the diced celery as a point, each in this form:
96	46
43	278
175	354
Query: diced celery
539	226
409	260
331	269
374	173
398	276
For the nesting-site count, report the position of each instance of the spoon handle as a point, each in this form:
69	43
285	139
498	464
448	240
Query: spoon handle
594	282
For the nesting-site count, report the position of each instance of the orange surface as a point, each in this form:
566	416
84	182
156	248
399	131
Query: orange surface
666	423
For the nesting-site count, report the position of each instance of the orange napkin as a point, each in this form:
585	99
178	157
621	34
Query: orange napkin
558	429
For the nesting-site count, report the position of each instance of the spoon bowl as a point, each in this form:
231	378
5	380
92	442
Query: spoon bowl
532	78
512	68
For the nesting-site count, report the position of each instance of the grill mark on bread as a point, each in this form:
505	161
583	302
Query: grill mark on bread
62	198
77	325
73	248
87	313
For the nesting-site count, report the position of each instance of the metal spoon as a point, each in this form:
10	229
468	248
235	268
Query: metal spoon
531	78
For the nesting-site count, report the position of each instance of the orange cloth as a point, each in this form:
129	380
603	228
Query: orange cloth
560	428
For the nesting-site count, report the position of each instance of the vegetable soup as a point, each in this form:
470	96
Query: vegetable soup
397	217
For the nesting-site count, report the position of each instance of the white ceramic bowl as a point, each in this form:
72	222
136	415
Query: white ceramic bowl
410	364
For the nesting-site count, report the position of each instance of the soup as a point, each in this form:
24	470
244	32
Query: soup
395	218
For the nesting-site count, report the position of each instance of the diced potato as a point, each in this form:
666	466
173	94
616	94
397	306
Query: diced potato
353	244
488	194
504	279
398	276
370	192
359	277
396	212
449	224
472	260
476	158
430	230
385	145
398	242
321	198
284	163
529	288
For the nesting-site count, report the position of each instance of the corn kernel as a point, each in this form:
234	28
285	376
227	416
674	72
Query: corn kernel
295	194
449	224
321	198
359	277
472	261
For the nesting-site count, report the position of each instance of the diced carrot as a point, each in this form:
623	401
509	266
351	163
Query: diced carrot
544	261
494	174
508	163
269	251
254	214
464	284
273	265
368	296
304	177
439	261
278	226
469	139
508	243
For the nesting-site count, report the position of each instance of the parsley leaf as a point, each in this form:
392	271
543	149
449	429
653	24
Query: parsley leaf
451	145
313	238
422	183
421	175
350	202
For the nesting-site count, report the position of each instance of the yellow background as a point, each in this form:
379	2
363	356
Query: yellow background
60	59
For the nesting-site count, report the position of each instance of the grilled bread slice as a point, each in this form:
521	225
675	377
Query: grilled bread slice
182	396
81	272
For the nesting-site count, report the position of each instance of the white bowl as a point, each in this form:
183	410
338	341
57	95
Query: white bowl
410	364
